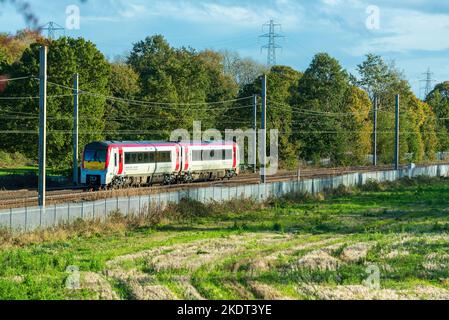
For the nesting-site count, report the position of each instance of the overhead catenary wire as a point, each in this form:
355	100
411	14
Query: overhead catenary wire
127	117
296	109
35	97
150	103
6	79
166	131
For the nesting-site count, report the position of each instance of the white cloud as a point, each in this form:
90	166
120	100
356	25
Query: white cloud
210	13
132	10
331	2
207	12
406	30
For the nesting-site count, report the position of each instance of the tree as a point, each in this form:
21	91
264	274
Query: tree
376	76
121	115
164	78
429	131
281	86
438	99
66	56
243	70
13	46
221	85
320	97
3	58
282	83
384	81
179	84
359	126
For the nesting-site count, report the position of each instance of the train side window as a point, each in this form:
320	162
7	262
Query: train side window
214	155
152	157
127	158
163	156
228	154
196	155
115	159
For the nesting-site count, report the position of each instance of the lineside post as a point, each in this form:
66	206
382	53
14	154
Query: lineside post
375	132
263	143
75	128
396	140
42	124
255	132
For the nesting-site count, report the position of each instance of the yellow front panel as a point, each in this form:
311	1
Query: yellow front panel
95	165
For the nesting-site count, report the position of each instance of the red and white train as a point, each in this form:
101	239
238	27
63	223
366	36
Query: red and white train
121	164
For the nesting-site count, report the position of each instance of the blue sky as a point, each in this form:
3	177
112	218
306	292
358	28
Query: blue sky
414	33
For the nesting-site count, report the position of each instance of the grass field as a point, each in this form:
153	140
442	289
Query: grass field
332	247
23	170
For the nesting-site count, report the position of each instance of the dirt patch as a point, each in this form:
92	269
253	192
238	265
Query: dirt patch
358	292
189	291
238	288
267	262
195	254
266	292
355	253
185	256
403	239
150	292
99	285
141	286
318	260
397	254
444	237
436	261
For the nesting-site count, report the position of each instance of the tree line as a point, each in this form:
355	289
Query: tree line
322	112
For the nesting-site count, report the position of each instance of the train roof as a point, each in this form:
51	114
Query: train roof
106	144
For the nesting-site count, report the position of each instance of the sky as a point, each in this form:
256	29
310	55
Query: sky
412	33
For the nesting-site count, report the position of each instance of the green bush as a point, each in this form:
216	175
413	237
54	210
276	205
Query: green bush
15	159
192	208
372	186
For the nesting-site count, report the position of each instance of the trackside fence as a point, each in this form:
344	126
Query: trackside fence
31	218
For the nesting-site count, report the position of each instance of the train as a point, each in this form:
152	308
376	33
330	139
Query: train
120	164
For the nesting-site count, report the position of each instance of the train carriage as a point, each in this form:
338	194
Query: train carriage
120	164
210	161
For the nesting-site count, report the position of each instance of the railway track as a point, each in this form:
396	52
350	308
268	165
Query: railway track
22	198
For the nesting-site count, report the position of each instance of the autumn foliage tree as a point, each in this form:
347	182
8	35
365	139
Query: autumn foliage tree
66	56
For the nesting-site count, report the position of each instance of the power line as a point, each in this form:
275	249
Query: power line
271	46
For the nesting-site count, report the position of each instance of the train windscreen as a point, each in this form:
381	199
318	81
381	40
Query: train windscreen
95	159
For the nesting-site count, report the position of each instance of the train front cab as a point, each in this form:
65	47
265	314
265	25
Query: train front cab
96	163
